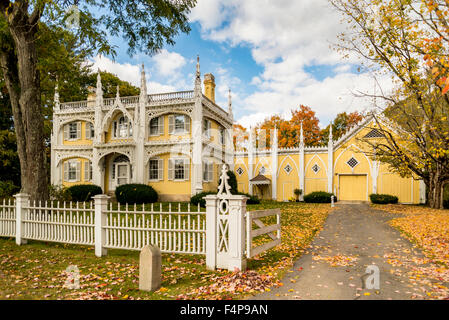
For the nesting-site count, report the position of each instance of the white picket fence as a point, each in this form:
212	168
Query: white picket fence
224	233
173	231
7	218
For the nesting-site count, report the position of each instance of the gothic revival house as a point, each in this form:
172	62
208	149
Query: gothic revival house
176	142
169	140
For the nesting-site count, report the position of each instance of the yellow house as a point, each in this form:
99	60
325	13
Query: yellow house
176	142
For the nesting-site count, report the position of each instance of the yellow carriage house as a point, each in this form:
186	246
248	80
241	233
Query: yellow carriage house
342	167
176	142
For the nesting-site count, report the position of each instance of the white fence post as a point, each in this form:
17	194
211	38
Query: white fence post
22	202
101	205
211	231
237	233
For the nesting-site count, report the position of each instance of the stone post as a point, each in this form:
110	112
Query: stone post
150	268
22	204
101	205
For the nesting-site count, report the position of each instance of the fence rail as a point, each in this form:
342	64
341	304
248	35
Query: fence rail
171	231
7	218
59	223
273	231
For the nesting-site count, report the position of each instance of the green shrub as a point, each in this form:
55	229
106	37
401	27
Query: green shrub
319	197
59	193
8	189
135	193
84	192
199	198
252	199
383	198
232	181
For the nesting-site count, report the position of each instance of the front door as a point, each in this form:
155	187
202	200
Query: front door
122	174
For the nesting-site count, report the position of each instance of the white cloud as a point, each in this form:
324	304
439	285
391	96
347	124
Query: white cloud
131	73
285	37
168	63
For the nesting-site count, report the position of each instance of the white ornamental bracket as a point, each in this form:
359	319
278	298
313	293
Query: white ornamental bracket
225	228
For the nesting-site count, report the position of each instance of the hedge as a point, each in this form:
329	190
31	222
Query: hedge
319	197
136	193
84	192
199	198
232	182
383	198
446	197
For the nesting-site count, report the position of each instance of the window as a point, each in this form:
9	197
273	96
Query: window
87	171
374	134
240	171
288	169
72	170
352	162
157	126
222	135
206	127
179	169
90	132
208	172
316	168
122	128
179	124
72	131
156	169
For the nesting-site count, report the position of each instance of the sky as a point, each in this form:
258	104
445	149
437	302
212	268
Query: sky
273	55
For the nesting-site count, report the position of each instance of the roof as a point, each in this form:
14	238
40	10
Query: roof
260	179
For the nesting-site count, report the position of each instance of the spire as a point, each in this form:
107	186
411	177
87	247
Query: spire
275	138
99	88
198	78
301	135
330	133
143	82
231	115
118	93
56	97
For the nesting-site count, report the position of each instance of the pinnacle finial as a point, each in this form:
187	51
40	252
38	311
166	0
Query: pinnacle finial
118	91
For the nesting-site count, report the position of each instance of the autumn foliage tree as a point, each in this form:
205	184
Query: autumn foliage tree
404	39
342	123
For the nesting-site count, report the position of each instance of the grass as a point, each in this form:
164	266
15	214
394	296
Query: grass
37	270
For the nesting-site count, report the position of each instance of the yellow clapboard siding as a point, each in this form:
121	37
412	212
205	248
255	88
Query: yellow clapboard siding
353	188
395	185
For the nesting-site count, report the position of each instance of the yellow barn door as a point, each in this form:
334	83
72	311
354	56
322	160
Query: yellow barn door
287	190
353	188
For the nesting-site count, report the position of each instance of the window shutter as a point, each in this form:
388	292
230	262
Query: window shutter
209	128
78	130
186	169
210	169
171	169
187	124
66	171
160	168
160	124
66	132
86	170
86	130
78	170
171	124
204	172
114	129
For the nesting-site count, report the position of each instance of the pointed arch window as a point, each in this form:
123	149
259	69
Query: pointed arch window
122	128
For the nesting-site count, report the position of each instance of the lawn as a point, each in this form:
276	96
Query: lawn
37	270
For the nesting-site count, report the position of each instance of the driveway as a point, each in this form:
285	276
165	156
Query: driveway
354	236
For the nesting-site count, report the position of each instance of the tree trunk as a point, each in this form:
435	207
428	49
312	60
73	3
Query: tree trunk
435	194
28	119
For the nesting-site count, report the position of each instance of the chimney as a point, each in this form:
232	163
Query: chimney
209	86
91	96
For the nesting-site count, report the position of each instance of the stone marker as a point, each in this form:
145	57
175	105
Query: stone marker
150	268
